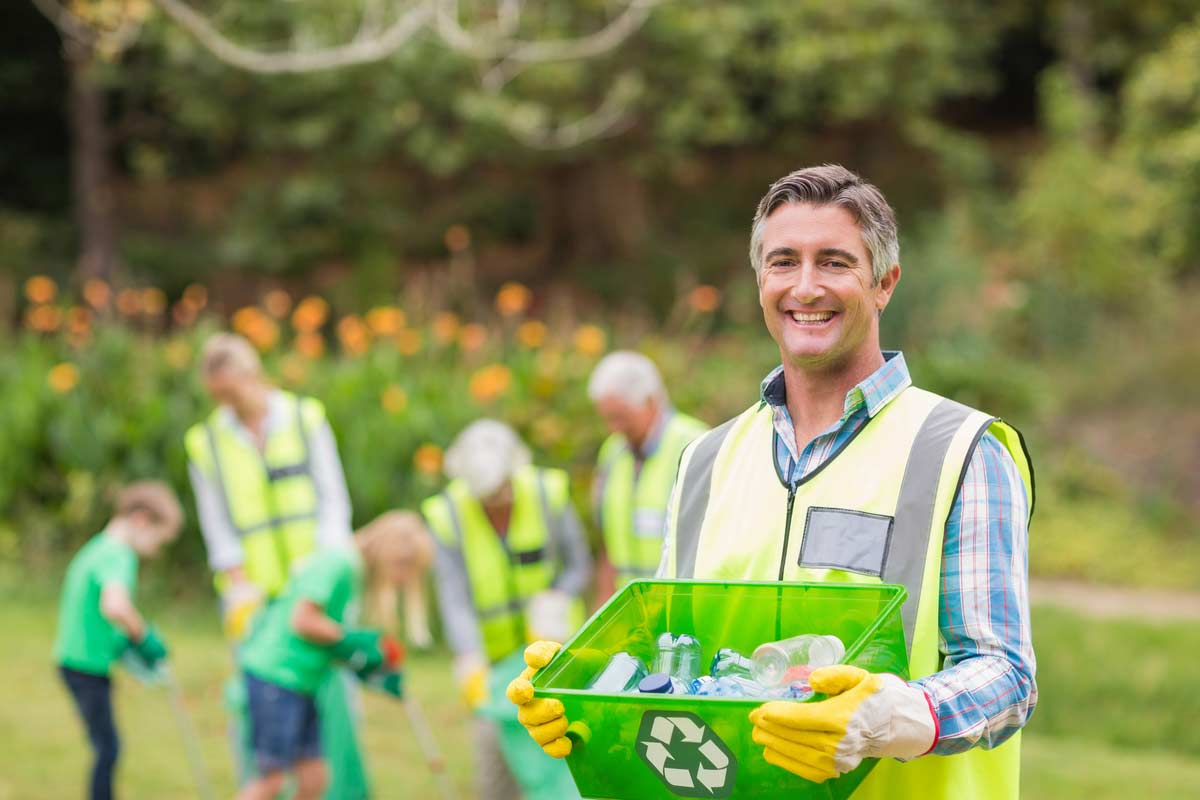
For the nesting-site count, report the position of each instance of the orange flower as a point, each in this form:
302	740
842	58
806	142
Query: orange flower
196	296
472	337
79	321
408	342
97	293
278	303
385	320
43	319
178	354
531	334
256	326
310	345
488	383
428	459
445	326
394	400
457	238
353	334
129	302
184	313
154	301
310	314
40	289
705	299
513	298
63	377
589	340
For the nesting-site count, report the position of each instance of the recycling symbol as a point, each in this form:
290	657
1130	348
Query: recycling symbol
686	755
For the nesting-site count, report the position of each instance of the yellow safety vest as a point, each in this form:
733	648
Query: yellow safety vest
269	497
504	572
633	506
874	512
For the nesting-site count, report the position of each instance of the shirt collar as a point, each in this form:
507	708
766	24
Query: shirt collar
875	391
654	439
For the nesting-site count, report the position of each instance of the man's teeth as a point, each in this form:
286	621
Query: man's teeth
820	316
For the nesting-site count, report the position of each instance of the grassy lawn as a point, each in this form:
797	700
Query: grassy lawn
1114	721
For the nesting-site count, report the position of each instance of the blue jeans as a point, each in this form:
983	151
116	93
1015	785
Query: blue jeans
284	725
93	698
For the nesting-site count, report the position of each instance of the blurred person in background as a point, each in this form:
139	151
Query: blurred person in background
636	466
98	622
296	641
844	471
511	565
269	491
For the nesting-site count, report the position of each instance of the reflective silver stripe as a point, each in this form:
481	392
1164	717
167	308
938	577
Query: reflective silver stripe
455	522
512	607
216	460
905	561
276	522
693	498
640	572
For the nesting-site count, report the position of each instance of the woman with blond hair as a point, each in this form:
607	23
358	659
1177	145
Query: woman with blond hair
300	637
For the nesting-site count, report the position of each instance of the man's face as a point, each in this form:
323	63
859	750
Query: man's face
229	387
633	421
816	290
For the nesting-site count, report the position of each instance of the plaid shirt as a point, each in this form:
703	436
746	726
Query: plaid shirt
986	690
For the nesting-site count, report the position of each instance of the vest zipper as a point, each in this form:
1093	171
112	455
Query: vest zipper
787	527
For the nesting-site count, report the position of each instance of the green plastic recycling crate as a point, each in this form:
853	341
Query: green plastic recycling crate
647	747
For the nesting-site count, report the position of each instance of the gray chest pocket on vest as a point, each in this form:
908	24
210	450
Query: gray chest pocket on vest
838	538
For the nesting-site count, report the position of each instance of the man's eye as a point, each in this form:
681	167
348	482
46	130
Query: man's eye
837	264
783	264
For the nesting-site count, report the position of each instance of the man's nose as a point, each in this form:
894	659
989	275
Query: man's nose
806	287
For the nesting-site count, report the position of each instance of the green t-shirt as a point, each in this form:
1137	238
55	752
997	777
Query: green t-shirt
274	652
86	641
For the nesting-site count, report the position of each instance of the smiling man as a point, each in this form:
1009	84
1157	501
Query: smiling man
843	471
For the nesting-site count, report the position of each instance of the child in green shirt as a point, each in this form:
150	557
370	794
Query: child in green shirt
97	621
299	637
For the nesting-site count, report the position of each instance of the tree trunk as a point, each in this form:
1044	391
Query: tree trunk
594	212
91	175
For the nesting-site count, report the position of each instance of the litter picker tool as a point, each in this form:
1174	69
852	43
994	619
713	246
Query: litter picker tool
187	731
433	756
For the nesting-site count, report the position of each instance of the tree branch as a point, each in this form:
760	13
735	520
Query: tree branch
359	51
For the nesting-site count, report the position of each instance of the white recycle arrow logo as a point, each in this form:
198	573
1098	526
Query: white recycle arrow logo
689	758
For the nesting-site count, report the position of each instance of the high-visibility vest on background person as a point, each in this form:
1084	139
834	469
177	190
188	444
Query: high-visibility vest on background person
269	496
634	502
505	572
876	511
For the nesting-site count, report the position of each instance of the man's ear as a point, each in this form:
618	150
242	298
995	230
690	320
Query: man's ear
887	285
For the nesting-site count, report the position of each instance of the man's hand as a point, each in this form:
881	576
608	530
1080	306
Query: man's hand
545	719
151	650
866	716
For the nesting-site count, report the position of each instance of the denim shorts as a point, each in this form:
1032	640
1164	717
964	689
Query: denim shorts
284	725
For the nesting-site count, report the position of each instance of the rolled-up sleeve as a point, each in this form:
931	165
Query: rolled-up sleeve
221	541
572	547
986	690
454	603
333	500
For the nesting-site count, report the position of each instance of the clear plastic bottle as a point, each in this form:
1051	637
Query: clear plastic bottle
622	674
678	657
772	660
728	661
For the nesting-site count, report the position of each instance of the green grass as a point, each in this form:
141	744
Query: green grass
1116	717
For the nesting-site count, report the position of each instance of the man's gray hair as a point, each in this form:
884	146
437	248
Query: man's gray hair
228	351
833	184
628	375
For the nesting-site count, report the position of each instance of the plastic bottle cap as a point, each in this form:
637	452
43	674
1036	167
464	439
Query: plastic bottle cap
656	683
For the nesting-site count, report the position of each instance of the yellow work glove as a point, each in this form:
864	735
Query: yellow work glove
867	715
474	688
239	604
544	718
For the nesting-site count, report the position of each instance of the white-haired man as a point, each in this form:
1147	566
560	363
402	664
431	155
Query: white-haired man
636	466
511	565
844	471
269	491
